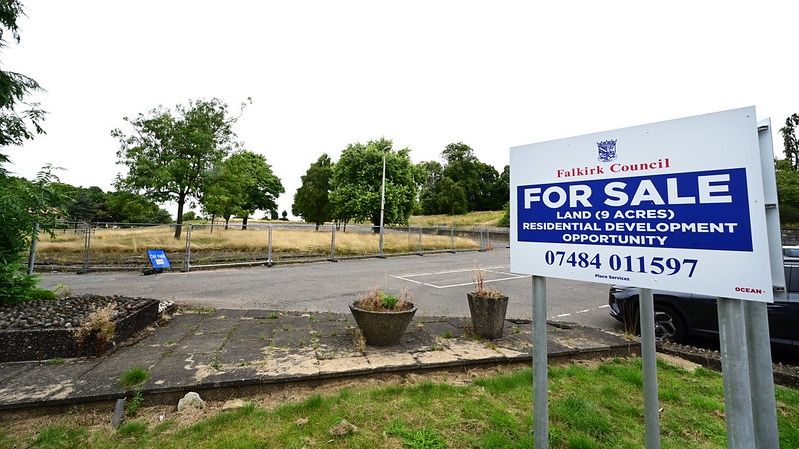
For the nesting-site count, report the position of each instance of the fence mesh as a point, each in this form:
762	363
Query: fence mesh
80	246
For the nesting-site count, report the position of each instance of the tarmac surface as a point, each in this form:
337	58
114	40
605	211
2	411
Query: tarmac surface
224	353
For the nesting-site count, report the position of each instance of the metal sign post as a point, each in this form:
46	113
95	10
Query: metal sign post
540	372
761	373
650	374
735	369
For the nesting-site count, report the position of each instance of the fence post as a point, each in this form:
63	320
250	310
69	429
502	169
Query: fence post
333	244
33	248
452	239
269	248
187	262
87	245
421	252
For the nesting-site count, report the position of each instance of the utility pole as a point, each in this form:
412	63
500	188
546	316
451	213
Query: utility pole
382	204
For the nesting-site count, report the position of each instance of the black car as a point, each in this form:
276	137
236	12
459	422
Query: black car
682	315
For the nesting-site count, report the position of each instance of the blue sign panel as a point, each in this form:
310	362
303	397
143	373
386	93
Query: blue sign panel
158	258
695	210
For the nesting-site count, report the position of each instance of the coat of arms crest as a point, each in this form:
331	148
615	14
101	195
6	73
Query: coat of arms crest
607	150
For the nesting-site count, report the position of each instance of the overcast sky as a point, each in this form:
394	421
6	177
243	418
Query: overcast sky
324	74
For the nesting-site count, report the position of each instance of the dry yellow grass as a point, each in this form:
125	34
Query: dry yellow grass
255	239
483	218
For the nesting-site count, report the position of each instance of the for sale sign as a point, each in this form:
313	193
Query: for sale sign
675	205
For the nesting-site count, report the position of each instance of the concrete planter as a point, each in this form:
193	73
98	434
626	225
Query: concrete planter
44	344
488	315
382	328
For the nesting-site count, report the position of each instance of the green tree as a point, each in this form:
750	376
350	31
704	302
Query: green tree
787	173
223	195
23	204
429	188
790	141
787	191
85	204
260	187
357	183
312	200
241	185
499	190
451	197
477	185
169	154
127	207
461	167
479	181
19	120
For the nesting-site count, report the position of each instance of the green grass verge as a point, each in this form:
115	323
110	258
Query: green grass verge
590	407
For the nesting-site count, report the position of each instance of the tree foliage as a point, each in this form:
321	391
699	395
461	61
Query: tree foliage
430	187
241	185
312	200
357	179
127	207
790	141
23	204
787	173
474	185
259	187
82	204
223	195
170	154
451	197
19	120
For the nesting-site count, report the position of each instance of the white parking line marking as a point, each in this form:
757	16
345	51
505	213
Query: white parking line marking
579	312
499	270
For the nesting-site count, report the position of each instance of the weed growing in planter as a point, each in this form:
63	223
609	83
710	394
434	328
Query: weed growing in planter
99	322
376	300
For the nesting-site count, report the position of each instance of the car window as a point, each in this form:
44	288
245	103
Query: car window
790	252
792	280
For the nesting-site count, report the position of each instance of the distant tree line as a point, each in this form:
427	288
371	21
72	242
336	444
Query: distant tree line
352	188
787	173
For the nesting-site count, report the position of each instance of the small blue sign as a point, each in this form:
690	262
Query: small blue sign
158	258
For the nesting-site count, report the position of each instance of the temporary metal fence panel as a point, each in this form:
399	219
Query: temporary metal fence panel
83	247
220	245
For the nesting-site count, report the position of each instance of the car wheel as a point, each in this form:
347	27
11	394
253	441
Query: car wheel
669	325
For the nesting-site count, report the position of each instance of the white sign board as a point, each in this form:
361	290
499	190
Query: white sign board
675	205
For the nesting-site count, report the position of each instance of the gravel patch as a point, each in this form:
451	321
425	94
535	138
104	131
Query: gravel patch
65	313
785	366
